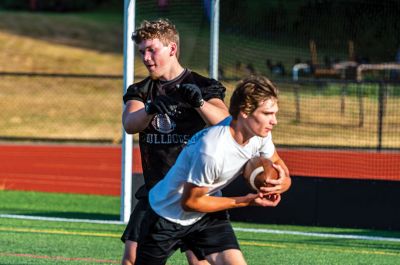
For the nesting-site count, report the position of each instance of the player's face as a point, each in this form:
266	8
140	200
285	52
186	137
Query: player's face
156	57
263	119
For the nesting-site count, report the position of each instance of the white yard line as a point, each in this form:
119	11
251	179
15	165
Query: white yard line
298	233
57	219
239	229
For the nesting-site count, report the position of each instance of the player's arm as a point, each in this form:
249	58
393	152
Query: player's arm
284	181
196	199
213	111
134	117
137	115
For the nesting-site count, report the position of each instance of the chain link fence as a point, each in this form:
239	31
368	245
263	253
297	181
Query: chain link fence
339	114
60	107
313	113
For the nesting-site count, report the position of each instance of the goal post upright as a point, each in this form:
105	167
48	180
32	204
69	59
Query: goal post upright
214	38
127	139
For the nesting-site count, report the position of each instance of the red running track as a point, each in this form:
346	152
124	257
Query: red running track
97	169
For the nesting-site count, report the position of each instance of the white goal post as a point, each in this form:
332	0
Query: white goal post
127	139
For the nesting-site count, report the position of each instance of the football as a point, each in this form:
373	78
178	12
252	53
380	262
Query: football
257	170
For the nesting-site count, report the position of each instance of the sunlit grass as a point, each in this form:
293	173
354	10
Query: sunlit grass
25	241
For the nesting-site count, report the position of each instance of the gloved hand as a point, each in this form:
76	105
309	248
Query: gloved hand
162	105
191	94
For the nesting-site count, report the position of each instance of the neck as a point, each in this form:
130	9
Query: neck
175	70
239	134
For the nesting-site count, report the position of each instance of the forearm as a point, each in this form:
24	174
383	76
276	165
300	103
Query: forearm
196	199
283	165
287	181
213	111
135	121
208	204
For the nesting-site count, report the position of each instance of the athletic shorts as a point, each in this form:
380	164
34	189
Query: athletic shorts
133	227
160	238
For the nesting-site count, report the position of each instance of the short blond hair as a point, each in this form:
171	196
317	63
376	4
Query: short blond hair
161	29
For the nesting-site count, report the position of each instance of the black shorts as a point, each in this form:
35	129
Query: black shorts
133	227
160	238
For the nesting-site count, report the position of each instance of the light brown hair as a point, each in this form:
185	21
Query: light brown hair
249	93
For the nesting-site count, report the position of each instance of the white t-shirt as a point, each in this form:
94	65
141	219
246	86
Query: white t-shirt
211	159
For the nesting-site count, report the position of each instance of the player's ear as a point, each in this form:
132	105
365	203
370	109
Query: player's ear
173	48
243	115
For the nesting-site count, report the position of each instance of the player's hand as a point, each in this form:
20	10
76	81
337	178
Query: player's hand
191	94
264	200
162	105
277	186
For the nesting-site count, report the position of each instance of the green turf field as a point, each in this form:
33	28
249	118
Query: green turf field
25	241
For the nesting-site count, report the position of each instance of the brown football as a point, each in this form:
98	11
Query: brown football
257	170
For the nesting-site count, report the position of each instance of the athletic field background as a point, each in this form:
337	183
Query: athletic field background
60	119
64	85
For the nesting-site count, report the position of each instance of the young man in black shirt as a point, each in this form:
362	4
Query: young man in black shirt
166	109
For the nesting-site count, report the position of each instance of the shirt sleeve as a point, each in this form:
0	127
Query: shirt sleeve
138	91
203	170
210	88
267	146
214	90
133	92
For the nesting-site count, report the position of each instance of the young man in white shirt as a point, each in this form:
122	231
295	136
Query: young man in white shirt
187	207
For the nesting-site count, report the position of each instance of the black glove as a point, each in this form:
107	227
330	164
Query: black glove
191	94
162	105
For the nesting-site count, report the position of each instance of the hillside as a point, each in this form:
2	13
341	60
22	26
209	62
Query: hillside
59	43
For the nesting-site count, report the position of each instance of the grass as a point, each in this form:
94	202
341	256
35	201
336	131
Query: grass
27	54
25	241
59	205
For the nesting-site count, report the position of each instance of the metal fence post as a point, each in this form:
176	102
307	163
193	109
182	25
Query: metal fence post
381	112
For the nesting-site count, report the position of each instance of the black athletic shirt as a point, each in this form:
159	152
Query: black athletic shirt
162	141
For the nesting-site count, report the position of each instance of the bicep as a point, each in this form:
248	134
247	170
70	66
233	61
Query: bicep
134	118
132	106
